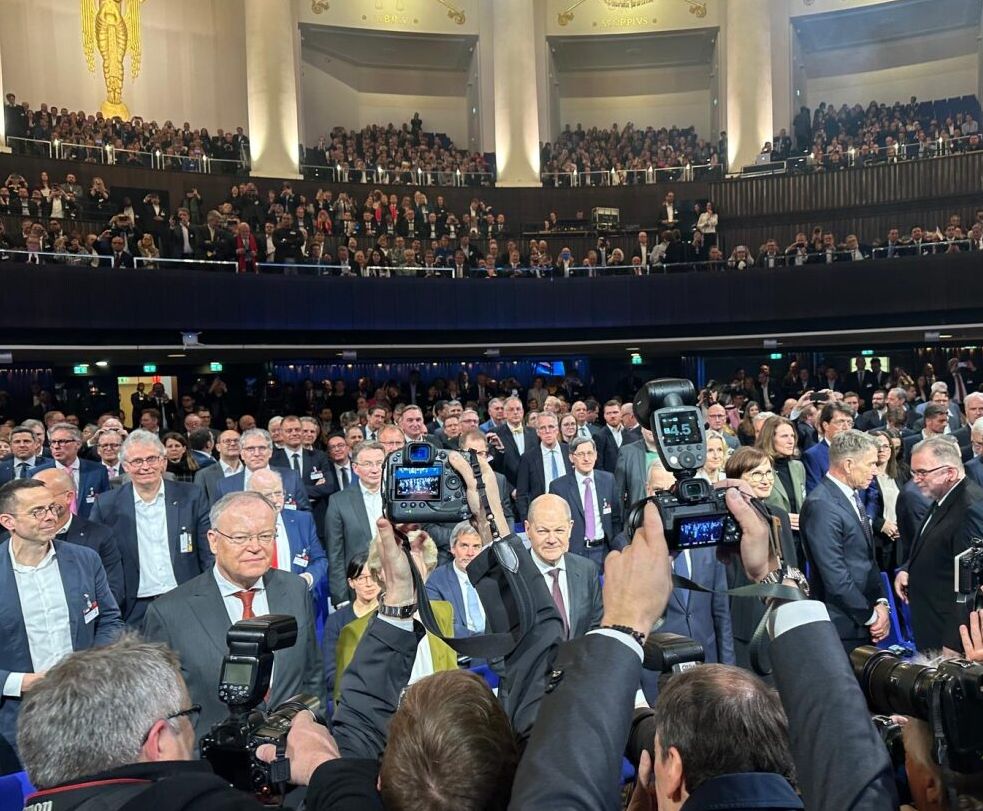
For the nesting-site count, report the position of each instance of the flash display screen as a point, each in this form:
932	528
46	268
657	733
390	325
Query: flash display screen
237	673
418	483
679	428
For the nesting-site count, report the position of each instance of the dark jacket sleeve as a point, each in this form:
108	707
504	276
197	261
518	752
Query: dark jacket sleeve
371	686
344	784
112	562
841	763
557	769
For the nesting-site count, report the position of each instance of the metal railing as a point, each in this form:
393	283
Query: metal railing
633	177
396	177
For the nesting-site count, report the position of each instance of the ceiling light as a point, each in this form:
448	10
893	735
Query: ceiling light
102	364
177	355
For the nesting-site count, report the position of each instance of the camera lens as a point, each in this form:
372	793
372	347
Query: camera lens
892	685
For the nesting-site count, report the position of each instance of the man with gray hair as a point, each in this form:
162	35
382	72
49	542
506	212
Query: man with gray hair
972	411
974	467
194	619
256	450
450	582
160	526
90	478
839	541
954	519
77	753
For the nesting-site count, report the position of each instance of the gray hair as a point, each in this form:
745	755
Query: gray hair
977	427
761	416
577	441
262	433
850	444
268	472
944	449
240	497
141	437
899	394
310	421
66	426
939	385
973	395
274	421
461	529
369	445
33	423
66	732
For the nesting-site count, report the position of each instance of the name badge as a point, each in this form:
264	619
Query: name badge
91	497
91	609
606	508
186	543
301	560
290	505
316	474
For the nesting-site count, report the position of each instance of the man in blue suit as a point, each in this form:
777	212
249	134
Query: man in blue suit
64	592
297	549
450	582
160	526
590	493
25	454
256	448
90	478
834	418
839	543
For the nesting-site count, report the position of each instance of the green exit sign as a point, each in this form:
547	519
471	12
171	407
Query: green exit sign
867	352
636	359
81	369
149	368
775	356
215	366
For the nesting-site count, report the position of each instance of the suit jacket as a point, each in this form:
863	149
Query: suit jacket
774	395
630	475
208	478
83	532
507	462
346	532
844	572
304	544
584	588
84	581
965	440
294	493
531	480
315	466
945	533
608	447
8	469
870	420
186	510
609	506
93	480
816	461
974	470
444	585
192	620
778	495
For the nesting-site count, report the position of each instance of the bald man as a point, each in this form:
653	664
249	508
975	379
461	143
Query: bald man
81	531
573	581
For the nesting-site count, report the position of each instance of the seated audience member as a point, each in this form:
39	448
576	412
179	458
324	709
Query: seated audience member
449	582
366	591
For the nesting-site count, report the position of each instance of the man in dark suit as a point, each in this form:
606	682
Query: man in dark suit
631	473
972	411
50	576
514	439
214	244
874	417
256	449
572	580
311	465
934	423
450	582
183	237
78	530
90	478
116	255
611	436
839	542
766	392
953	520
862	381
351	517
229	463
160	526
194	619
541	464
974	467
632	431
833	419
589	492
25	455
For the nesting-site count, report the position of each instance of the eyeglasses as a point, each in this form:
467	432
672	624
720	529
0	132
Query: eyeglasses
365	578
57	443
255	449
759	476
191	714
265	538
145	461
38	513
105	446
584	454
270	494
231	443
921	474
370	465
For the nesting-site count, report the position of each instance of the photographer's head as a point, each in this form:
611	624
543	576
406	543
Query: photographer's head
853	458
450	747
242	534
925	778
740	710
548	526
141	713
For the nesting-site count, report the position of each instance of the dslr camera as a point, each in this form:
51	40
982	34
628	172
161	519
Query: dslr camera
694	513
969	576
949	697
230	746
422	488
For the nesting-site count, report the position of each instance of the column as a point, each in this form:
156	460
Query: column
271	88
781	68
748	80
3	123
516	94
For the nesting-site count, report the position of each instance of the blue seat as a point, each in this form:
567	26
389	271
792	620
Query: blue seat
627	771
895	636
14	789
489	675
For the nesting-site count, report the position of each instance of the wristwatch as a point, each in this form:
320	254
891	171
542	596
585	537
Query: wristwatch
396	612
783	573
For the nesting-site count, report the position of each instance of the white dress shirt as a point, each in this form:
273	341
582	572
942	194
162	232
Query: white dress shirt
520	438
581	478
341	479
549	453
373	504
228	470
471	622
283	555
153	546
233	605
544	569
46	619
618	434
29	462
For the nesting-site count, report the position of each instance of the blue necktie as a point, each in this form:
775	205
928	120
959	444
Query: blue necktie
681	569
556	471
475	623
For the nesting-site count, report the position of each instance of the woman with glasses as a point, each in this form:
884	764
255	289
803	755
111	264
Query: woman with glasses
889	480
180	461
568	428
366	591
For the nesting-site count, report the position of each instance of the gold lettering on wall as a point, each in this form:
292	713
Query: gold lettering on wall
392	12
617	13
113	29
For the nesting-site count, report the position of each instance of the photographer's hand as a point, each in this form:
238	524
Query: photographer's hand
309	744
463	468
972	637
756	553
395	567
638	579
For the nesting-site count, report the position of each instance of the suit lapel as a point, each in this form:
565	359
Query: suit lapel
208	608
574	496
798	481
73	593
573	590
363	516
173	511
841	499
934	521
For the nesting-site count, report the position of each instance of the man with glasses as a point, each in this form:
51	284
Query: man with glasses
159	525
256	450
391	438
54	599
541	464
590	493
229	463
717	421
974	467
194	619
310	465
834	418
972	411
924	581
90	478
24	455
839	542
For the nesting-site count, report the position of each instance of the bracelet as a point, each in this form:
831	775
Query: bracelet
638	636
398	612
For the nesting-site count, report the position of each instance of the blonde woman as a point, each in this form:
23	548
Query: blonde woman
713	468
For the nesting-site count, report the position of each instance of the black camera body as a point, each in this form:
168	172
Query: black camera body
949	697
694	513
969	575
672	653
230	746
422	488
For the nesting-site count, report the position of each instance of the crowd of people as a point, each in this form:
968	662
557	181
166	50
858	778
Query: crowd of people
233	521
406	155
87	138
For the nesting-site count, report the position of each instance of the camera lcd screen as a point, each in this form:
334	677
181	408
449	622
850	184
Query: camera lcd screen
418	483
696	532
237	673
679	428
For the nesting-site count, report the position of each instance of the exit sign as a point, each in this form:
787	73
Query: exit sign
149	368
81	369
775	356
215	366
867	352
636	359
